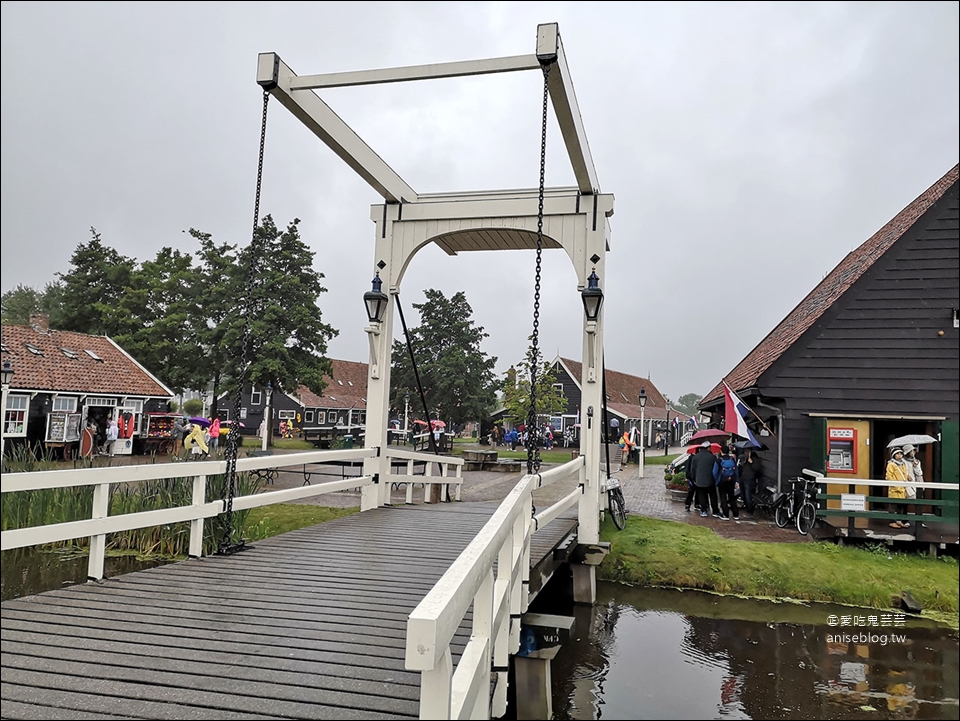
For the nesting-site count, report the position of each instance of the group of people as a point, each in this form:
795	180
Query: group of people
716	477
195	438
904	465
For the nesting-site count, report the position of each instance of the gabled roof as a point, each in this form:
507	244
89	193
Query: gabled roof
68	362
622	392
830	289
346	387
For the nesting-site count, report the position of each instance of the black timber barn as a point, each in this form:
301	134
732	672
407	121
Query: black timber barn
870	354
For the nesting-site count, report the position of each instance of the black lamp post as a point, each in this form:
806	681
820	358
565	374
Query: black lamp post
642	398
6	376
666	435
592	297
375	300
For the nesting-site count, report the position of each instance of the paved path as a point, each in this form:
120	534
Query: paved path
647	497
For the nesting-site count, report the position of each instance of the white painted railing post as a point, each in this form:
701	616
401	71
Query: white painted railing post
482	633
98	543
196	526
427	486
435	689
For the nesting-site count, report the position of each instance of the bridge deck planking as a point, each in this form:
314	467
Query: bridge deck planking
310	624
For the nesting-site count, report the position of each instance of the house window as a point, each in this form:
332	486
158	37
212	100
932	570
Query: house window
15	415
33	349
69	353
92	355
308	416
286	415
100	401
331	417
255	397
243	413
65	403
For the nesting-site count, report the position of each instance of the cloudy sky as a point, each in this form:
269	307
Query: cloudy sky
749	147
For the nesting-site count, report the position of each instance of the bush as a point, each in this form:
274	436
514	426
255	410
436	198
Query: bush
676	481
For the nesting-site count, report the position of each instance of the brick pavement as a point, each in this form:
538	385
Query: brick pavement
649	497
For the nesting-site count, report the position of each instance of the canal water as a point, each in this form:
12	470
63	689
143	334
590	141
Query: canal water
666	654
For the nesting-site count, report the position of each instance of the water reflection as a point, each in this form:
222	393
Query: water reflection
25	571
653	654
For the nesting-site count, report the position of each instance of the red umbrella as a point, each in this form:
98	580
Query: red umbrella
709	434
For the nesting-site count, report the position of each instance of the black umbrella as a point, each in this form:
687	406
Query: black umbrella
744	445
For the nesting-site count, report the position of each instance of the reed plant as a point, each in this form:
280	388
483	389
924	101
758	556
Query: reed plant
25	509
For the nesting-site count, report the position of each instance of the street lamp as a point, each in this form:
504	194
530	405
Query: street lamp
375	300
268	425
642	398
406	411
666	435
592	297
6	375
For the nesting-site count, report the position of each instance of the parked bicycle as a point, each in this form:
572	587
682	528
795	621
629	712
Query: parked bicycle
616	503
807	514
788	503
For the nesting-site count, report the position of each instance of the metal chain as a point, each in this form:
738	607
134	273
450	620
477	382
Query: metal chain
227	545
534	431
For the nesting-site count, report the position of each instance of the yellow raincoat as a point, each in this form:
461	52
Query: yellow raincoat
897	471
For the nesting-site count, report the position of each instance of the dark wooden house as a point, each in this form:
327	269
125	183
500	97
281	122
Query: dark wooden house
623	391
870	354
340	411
62	380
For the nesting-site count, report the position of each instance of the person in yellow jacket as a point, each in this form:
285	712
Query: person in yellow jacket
897	471
195	442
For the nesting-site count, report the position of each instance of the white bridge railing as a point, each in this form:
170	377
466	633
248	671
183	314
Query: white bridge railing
488	576
100	523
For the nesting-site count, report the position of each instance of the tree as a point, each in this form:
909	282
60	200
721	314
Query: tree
157	317
688	403
457	377
17	305
287	341
516	389
95	285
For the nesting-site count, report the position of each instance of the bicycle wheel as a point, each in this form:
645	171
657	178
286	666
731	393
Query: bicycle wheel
782	515
618	510
806	518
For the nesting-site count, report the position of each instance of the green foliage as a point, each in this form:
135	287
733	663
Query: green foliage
688	403
94	287
456	375
517	383
17	305
193	406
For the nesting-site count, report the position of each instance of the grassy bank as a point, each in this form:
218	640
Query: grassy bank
650	552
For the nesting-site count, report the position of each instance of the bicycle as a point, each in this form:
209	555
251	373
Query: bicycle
787	505
616	503
807	515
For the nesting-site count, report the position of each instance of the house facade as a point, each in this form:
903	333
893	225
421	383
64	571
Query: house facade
869	355
62	381
340	411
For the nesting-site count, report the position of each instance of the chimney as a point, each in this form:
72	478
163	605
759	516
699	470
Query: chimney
40	322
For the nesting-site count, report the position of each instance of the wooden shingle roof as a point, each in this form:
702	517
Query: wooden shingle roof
346	387
830	289
67	362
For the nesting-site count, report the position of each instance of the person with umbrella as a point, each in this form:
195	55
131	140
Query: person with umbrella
701	470
896	471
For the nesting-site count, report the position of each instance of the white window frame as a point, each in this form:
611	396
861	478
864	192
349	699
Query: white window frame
100	402
256	397
65	403
135	407
332	417
243	414
286	415
308	416
15	416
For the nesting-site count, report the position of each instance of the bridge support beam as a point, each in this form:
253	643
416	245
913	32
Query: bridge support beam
534	684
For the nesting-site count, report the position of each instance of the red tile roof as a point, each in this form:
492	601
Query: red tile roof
346	387
851	268
66	367
623	390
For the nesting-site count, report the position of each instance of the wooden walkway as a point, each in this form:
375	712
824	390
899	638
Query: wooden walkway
307	625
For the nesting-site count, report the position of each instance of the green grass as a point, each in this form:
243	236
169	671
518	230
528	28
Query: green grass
657	458
650	552
266	521
292	444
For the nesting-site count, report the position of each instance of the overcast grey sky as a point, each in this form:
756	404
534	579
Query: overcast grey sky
749	147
